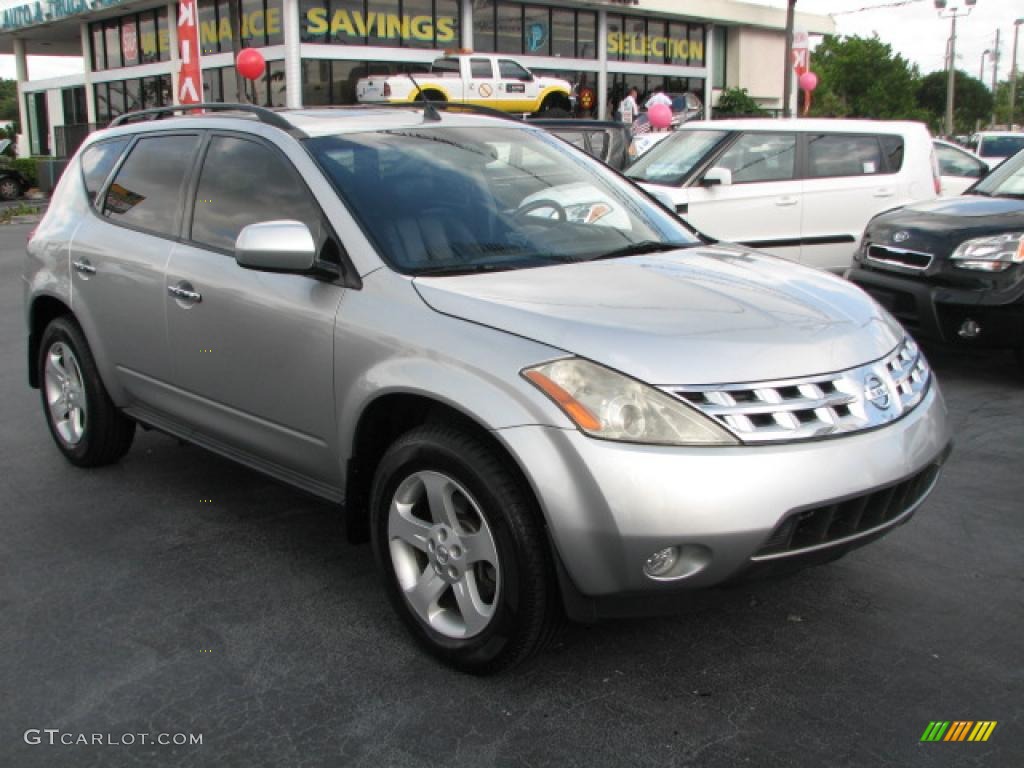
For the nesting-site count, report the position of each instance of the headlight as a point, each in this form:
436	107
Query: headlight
607	404
991	254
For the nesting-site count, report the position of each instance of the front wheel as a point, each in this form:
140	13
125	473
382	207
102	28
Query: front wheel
10	188
85	424
462	553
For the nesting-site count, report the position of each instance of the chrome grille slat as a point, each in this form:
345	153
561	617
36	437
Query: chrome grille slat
900	258
817	406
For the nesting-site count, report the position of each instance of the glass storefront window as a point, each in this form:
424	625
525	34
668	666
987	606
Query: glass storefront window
483	26
586	35
98	58
212	88
148	45
563	32
718	58
657	42
130	41
696	45
678	54
417	24
208	37
115	90
316	82
163	35
448	33
384	30
510	28
536	31
132	95
635	40
112	38
616	32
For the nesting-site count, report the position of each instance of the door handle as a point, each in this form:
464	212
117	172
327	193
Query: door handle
785	202
883	192
184	292
83	267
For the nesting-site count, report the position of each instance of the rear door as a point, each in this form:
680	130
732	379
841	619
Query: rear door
762	206
253	351
482	86
958	169
848	180
118	258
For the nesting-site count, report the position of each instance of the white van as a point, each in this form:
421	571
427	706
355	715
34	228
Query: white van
801	189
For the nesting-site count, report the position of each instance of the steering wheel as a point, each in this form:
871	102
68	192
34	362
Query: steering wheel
538	205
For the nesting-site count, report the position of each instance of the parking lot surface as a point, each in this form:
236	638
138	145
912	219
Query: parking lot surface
177	593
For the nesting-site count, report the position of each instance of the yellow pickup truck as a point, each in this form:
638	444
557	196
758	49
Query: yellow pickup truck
493	81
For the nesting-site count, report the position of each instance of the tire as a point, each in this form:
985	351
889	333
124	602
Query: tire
489	534
93	432
10	188
430	95
556	105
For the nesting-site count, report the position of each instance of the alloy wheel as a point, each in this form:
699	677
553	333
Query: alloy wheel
65	393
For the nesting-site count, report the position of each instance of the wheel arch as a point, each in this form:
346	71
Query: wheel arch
43	311
387	417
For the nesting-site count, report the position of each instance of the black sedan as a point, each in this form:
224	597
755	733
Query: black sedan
952	270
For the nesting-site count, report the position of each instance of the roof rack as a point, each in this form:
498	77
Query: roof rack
267	116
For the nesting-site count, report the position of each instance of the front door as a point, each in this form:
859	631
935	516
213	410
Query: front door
517	88
253	351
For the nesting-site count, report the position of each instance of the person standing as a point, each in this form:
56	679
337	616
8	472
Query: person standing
628	107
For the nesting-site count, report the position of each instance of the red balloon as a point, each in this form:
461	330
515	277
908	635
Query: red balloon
808	81
250	64
660	115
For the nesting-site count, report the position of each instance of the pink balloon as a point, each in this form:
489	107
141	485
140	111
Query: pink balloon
660	115
250	64
808	81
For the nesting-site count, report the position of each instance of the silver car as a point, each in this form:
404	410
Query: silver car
528	411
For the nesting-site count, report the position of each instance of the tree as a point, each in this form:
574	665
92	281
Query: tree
1003	102
8	100
972	103
737	102
862	77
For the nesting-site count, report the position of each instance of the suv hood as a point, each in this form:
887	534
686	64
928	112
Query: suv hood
706	315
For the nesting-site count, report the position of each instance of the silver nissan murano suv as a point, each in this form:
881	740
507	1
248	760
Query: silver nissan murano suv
530	385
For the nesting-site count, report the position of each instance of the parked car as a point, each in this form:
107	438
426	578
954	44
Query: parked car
487	80
958	168
607	140
12	183
995	146
685	107
953	270
522	413
801	189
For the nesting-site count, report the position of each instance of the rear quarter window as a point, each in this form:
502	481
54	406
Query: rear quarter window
97	163
892	148
832	155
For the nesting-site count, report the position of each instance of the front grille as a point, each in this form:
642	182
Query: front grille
851	518
817	406
901	258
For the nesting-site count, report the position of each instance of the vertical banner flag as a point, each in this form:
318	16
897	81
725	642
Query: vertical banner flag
190	76
801	52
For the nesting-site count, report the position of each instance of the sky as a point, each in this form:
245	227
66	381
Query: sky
912	27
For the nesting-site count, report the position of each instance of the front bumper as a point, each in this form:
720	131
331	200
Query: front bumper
938	312
610	505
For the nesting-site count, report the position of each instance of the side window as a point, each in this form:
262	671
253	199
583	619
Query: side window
838	155
892	146
953	162
510	70
244	182
481	68
97	163
761	157
146	193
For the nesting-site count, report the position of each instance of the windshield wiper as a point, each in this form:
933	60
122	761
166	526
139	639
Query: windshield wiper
636	249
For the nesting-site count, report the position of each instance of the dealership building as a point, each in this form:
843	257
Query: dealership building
316	50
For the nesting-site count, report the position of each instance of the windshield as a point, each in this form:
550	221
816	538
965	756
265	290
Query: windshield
437	200
1000	146
672	160
1007	180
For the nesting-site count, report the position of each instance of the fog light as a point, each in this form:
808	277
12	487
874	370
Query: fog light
970	329
661	562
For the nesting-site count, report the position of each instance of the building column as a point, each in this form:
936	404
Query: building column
24	146
292	55
466	16
602	60
709	65
90	93
172	29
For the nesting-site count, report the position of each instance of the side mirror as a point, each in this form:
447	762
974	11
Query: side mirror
717	176
276	246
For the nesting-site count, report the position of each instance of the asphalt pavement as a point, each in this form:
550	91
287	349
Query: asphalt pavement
177	593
